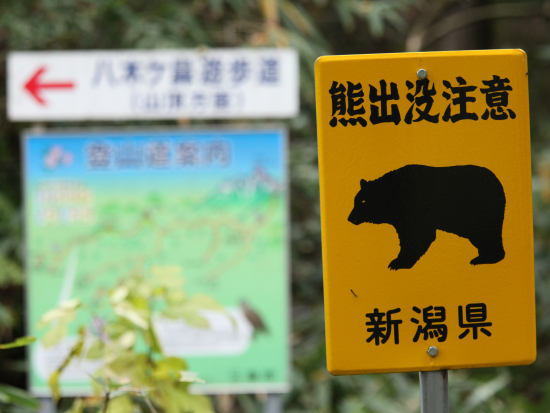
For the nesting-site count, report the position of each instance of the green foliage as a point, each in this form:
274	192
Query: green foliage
134	368
20	342
11	274
11	279
12	396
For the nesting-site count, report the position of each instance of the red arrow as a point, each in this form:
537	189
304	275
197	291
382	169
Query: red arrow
34	85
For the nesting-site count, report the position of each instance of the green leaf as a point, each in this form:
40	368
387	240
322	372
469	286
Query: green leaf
204	302
115	329
20	342
152	340
127	340
99	385
190	377
190	315
111	351
19	397
66	311
53	381
194	319
190	310
128	367
125	311
170	368
119	294
121	404
69	305
191	402
139	302
175	297
96	350
50	316
77	406
55	334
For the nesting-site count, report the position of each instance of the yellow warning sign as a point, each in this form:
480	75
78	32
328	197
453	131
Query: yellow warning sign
425	173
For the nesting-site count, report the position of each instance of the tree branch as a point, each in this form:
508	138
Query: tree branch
106	401
420	39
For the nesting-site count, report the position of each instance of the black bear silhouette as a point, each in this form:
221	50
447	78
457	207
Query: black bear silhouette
465	200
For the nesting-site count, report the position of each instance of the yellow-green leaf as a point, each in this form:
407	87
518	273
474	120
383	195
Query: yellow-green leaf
72	304
175	297
96	350
121	404
115	329
53	382
127	340
50	316
111	351
55	334
18	397
197	403
170	368
190	377
193	318
77	406
139	302
187	402
65	311
131	315
119	294
99	386
20	342
204	302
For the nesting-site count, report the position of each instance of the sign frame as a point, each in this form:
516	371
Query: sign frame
84	85
39	132
358	282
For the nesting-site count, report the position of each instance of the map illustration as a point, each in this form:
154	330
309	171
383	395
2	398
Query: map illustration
100	206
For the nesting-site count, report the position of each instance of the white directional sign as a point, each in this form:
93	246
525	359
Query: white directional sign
159	84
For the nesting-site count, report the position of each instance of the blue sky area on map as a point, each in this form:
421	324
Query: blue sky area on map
248	150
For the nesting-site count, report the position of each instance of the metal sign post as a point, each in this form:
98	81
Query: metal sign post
273	403
434	392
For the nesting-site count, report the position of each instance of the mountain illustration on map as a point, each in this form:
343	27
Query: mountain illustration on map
225	222
258	181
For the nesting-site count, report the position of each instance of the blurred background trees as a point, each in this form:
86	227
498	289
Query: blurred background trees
314	28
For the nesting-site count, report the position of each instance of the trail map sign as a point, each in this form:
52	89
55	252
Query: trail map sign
152	84
426	210
211	204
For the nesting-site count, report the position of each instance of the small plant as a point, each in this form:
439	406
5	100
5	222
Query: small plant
12	396
135	375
